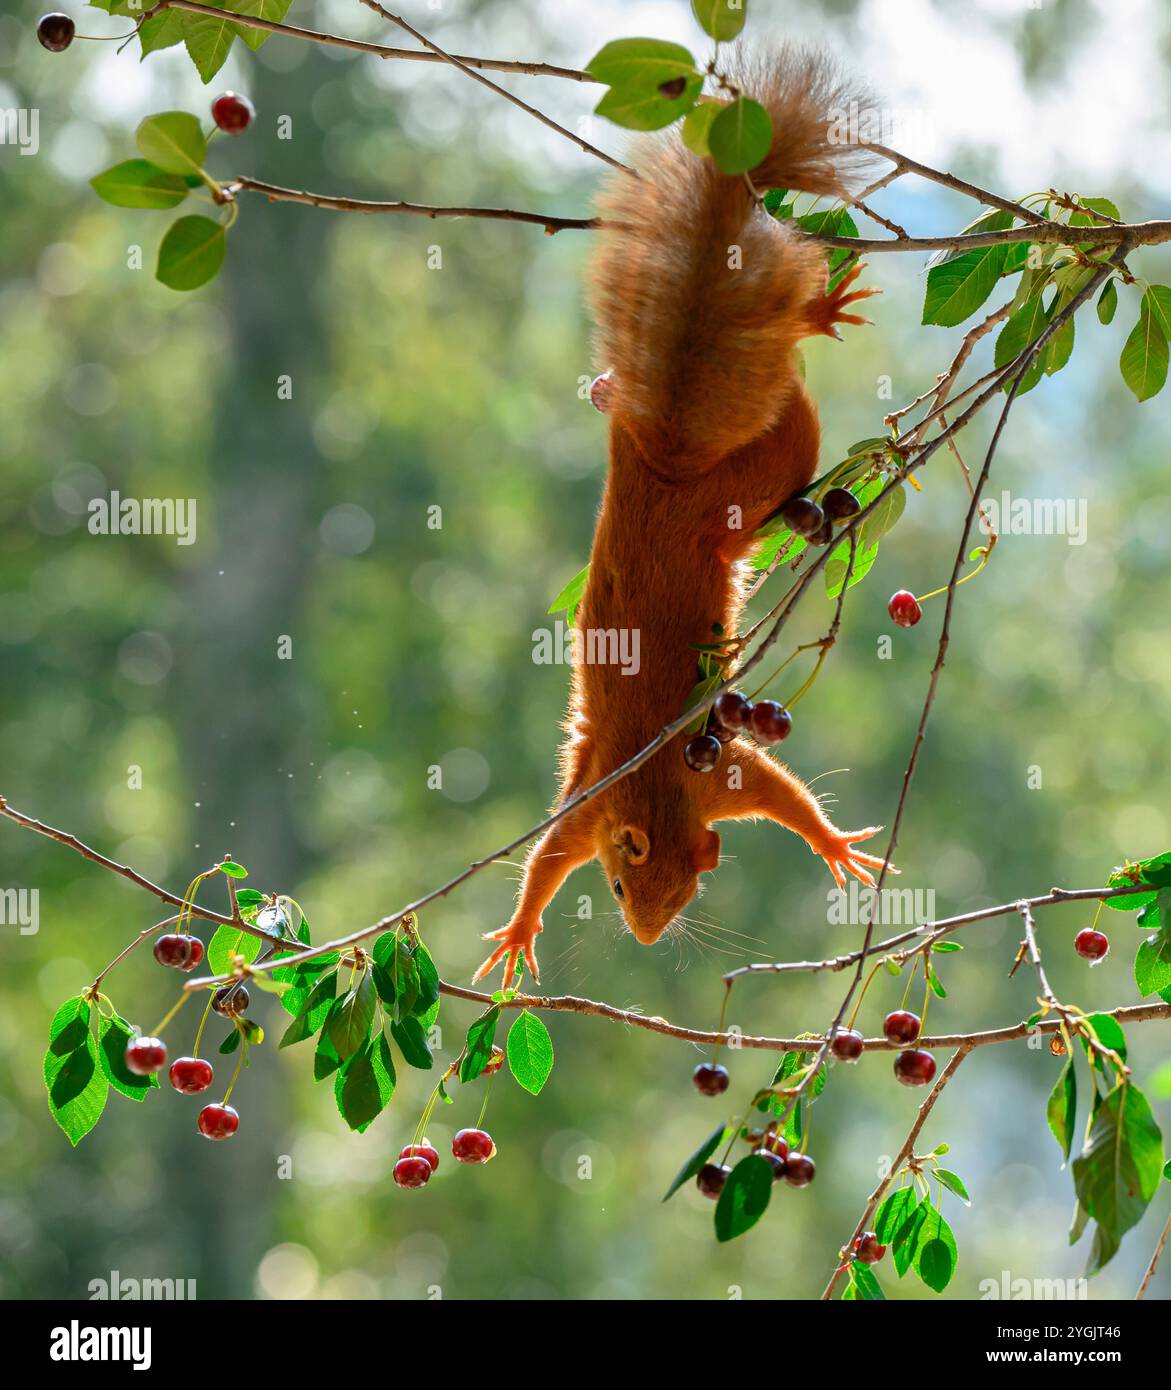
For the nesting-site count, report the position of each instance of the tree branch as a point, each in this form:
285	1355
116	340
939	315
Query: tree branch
275	193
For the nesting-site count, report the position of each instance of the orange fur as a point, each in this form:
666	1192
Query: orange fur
711	431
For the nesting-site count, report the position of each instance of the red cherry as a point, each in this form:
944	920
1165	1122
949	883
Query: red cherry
803	516
711	1179
1091	944
232	112
709	1079
145	1056
473	1146
218	1121
770	722
230	1000
702	752
191	1075
55	32
602	391
424	1150
901	1027
799	1170
915	1068
777	1162
840	504
412	1172
868	1250
904	609
733	710
847	1045
197	953
173	950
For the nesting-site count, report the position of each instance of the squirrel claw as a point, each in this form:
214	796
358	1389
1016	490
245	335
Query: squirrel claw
513	946
839	853
828	311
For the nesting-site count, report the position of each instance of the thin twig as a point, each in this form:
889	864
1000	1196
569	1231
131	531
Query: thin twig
904	1153
1154	1264
548	121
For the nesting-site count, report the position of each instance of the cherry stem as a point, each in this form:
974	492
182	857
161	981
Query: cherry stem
236	1073
202	1024
985	552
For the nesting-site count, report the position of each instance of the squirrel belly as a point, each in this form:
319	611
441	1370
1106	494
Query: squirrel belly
700	298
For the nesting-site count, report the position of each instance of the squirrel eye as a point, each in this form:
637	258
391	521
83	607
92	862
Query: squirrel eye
618	893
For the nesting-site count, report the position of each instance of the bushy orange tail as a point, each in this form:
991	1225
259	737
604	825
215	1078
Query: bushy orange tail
699	297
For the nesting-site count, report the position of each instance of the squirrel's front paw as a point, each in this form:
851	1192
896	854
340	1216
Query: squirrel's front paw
828	311
837	849
515	940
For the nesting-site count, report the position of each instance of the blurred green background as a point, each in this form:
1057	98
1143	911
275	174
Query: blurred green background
460	388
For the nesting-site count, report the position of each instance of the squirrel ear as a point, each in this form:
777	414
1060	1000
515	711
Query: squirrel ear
634	843
706	851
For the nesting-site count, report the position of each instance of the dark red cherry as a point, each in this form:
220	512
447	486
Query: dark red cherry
901	1027
173	950
145	1056
770	722
197	953
702	753
869	1251
847	1045
802	516
904	609
779	1163
424	1149
915	1068
732	710
711	1179
840	504
1091	944
473	1146
232	112
412	1172
799	1170
218	1121
55	32
190	1075
710	1079
230	1000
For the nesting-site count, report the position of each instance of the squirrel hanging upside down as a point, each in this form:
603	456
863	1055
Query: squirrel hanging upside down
700	298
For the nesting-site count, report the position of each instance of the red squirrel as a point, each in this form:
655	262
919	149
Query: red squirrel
700	298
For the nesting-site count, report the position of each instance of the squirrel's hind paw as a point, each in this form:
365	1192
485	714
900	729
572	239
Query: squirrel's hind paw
839	853
827	311
513	945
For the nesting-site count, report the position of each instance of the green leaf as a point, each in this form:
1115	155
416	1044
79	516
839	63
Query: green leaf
113	1035
208	40
1152	965
1109	1033
232	869
478	1045
1061	1109
740	136
892	1214
906	1238
325	1059
348	1025
1116	1174
1024	326
530	1051
947	946
272	10
137	183
1157	299
650	61
934	981
77	1087
230	1043
267	984
635	106
720	19
173	142
951	1181
316	1009
162	31
191	253
1144	356
427	993
227	944
690	1169
696	129
412	1042
1107	302
365	1084
956	288
745	1197
865	1283
569	597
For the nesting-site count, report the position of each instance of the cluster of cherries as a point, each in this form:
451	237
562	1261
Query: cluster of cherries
190	1076
417	1162
797	1169
804	517
767	721
913	1067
